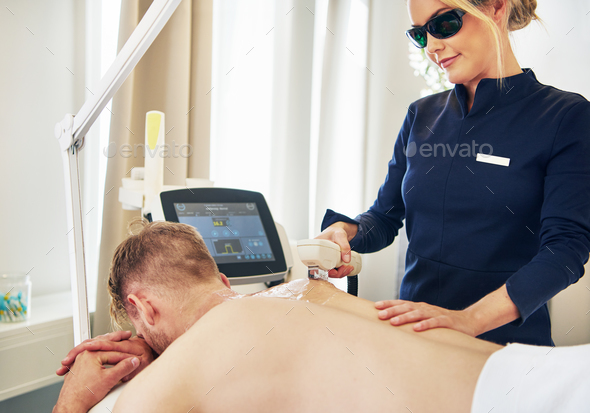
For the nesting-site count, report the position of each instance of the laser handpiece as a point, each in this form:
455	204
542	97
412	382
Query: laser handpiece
320	256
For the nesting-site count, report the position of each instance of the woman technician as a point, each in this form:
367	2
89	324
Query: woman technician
491	239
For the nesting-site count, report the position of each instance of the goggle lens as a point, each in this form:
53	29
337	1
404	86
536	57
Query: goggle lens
418	37
446	25
441	27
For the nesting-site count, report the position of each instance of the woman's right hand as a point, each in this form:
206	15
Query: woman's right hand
340	233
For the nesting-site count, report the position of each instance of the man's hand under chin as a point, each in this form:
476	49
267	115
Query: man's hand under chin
119	341
88	381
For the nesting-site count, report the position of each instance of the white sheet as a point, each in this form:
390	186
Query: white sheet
107	404
534	379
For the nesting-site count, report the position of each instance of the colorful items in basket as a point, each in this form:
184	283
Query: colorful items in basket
13	308
15	297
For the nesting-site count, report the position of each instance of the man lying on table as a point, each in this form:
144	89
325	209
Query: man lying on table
302	346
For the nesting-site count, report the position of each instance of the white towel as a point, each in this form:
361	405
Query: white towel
108	403
522	378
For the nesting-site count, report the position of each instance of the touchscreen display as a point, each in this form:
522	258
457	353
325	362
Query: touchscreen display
232	231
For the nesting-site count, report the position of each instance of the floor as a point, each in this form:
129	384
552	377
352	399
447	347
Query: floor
38	401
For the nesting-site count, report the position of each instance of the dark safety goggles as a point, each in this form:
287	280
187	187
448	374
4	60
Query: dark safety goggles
442	26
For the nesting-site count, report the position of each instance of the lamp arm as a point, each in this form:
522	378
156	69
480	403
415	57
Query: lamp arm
70	133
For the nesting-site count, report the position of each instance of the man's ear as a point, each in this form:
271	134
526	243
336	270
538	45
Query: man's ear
225	280
145	308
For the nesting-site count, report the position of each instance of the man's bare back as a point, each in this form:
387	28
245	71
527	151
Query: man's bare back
326	294
313	348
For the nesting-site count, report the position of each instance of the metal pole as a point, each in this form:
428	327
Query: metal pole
76	245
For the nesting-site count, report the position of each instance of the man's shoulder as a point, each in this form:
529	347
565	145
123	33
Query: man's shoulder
240	316
246	306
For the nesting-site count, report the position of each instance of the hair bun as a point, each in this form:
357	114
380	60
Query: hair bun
521	14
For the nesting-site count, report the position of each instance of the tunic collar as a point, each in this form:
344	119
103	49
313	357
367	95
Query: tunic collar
488	95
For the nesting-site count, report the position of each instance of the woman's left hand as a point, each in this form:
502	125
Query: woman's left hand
426	316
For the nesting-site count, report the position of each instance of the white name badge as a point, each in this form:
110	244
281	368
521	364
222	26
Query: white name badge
494	160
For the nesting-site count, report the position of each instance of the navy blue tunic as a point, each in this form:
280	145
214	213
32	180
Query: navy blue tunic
474	226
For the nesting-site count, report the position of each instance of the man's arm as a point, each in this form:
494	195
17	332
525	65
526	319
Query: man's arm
88	381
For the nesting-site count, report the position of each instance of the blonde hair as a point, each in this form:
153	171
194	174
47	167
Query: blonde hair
161	256
519	13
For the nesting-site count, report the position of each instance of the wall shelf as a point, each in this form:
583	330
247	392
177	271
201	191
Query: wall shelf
31	351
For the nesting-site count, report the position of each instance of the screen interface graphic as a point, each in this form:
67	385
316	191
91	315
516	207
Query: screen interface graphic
233	231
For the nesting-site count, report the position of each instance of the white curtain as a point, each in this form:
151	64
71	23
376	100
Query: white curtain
260	104
174	76
307	100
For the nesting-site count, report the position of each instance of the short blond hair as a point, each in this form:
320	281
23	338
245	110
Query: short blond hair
161	256
519	13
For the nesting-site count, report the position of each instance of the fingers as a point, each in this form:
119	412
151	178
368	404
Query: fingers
104	356
341	271
409	317
435	322
121	370
424	320
425	316
396	309
112	358
137	347
90	344
341	238
401	312
86	345
116	336
380	305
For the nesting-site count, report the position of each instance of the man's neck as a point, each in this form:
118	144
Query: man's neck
208	299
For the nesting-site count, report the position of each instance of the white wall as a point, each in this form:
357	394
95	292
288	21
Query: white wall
262	63
40	46
559	50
